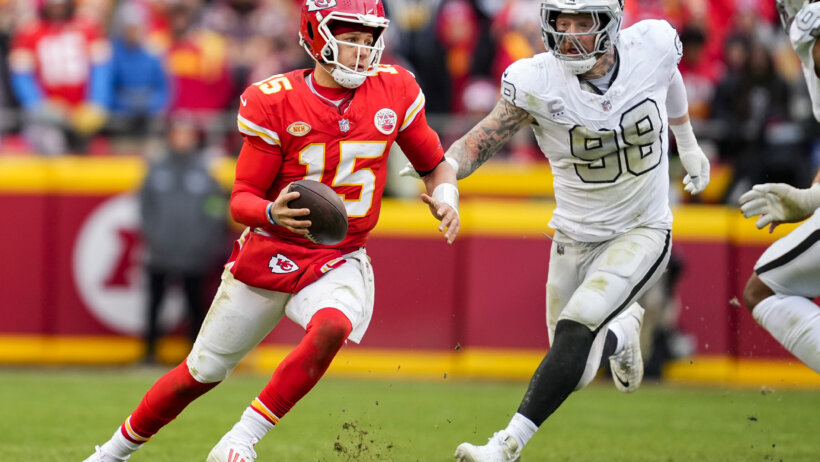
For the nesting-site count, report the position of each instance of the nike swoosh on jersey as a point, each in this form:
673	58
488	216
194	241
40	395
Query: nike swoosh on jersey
243	101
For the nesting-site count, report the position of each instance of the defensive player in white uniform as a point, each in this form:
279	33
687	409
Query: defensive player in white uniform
786	278
600	102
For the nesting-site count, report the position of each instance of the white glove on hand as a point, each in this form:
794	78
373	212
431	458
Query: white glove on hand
697	168
779	203
692	158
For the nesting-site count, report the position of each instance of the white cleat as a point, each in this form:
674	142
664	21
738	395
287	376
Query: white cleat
231	449
502	447
627	365
100	456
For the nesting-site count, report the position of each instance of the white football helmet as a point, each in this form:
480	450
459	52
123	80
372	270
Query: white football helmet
788	9
606	15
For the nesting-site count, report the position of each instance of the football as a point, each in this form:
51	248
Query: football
328	215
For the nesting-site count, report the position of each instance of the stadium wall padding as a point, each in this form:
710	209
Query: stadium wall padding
72	271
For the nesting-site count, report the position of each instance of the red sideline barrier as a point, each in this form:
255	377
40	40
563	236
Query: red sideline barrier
72	267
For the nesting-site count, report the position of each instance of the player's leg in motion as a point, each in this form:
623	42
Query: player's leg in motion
779	293
622	346
296	375
249	313
328	309
592	315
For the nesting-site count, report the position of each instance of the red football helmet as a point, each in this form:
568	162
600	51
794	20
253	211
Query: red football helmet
316	37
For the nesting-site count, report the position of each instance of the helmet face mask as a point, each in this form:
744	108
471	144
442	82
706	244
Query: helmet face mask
316	36
606	18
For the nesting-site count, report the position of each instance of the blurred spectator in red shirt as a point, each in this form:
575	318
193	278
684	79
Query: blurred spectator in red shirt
638	10
748	23
458	28
721	19
60	68
197	63
700	74
517	32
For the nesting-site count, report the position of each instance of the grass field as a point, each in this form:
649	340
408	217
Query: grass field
59	415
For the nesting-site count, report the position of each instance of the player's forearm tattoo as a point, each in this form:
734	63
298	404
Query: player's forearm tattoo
484	140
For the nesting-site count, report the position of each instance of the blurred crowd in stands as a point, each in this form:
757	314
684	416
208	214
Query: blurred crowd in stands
98	77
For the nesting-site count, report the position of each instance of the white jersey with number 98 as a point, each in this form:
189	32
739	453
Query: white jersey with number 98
608	153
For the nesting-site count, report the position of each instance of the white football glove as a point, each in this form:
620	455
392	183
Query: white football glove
779	203
697	168
692	157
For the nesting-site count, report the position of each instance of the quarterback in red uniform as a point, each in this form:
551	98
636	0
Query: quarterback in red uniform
335	124
61	76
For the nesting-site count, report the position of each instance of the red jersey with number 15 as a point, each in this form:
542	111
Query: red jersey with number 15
291	134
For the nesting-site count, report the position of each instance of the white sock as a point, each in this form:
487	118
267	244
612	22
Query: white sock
631	319
522	429
251	425
795	323
616	329
119	446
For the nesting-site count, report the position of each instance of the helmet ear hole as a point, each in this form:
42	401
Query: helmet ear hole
310	31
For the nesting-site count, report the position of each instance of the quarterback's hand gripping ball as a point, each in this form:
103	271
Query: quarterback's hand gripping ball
328	215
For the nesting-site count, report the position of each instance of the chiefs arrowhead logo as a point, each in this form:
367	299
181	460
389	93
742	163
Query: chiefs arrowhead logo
281	264
316	5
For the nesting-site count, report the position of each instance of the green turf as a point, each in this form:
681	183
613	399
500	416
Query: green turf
58	415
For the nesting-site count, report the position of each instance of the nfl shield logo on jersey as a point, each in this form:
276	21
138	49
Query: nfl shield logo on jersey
385	120
606	105
344	125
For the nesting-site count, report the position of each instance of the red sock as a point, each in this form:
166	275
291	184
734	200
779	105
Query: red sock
303	367
163	402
